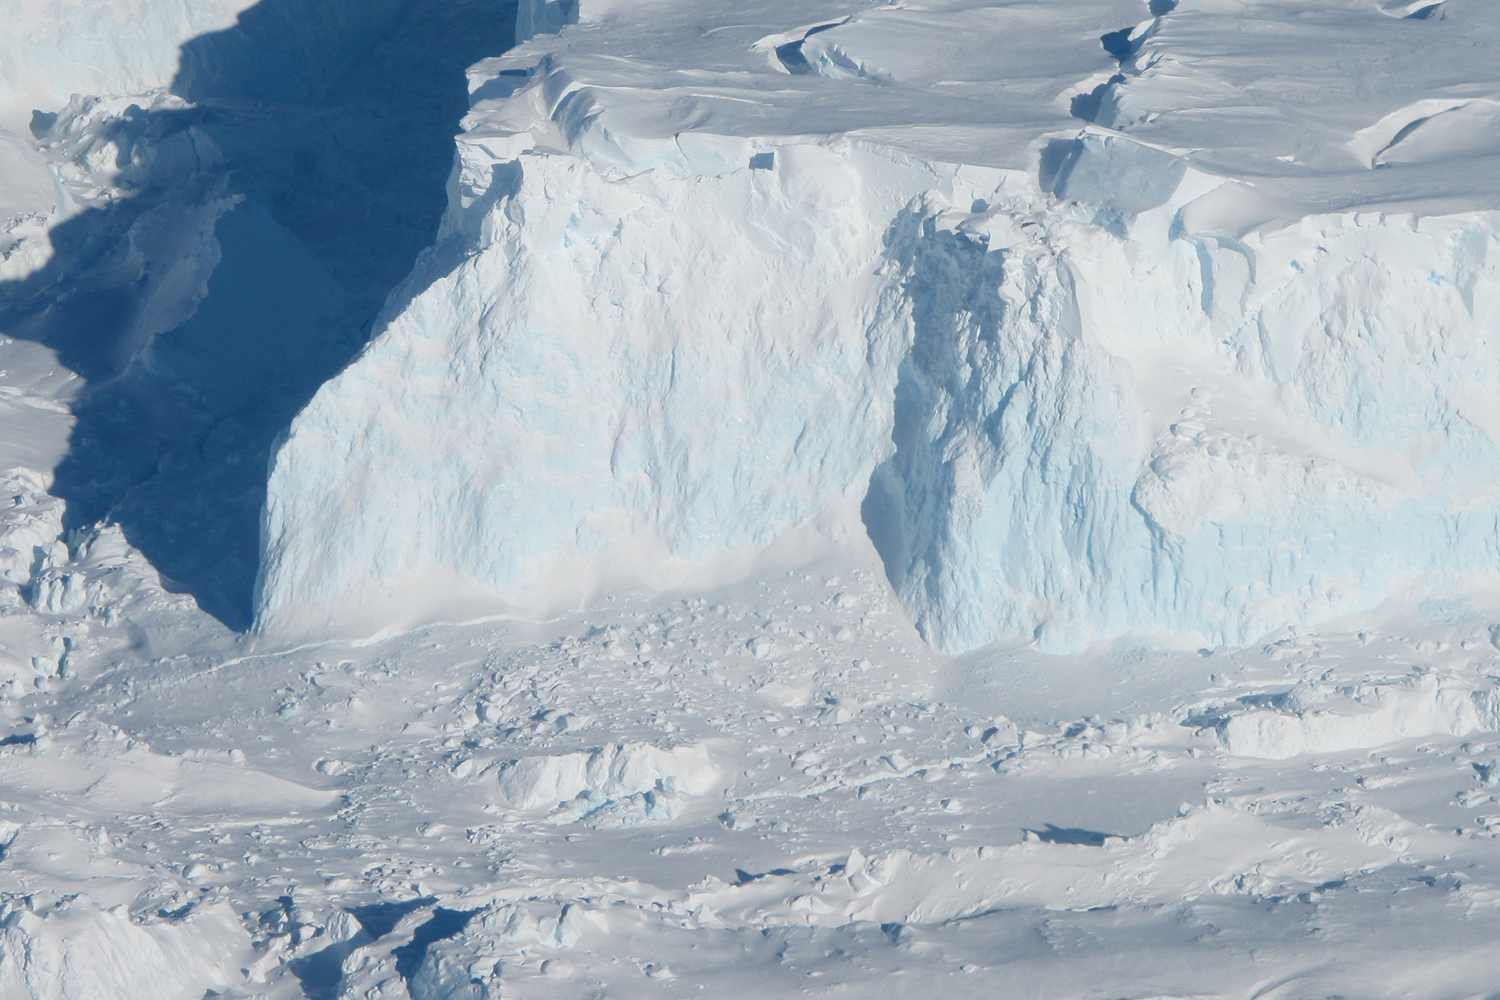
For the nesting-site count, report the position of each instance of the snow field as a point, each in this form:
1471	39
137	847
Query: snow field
53	50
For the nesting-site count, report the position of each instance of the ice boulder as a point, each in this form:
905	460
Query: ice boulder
616	771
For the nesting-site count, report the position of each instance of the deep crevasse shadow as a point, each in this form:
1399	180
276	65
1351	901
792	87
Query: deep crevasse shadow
302	184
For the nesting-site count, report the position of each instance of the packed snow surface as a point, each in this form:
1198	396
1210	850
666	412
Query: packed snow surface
977	498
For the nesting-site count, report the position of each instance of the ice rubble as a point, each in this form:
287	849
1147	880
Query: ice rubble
620	781
1087	383
1311	718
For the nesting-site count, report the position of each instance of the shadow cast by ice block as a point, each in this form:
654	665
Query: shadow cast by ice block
263	229
1069	835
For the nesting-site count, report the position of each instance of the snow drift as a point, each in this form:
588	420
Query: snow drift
1080	396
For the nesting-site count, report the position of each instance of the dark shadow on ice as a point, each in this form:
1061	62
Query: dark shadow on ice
1068	835
742	877
301	185
1086	106
1118	44
322	973
379	919
953	284
443	925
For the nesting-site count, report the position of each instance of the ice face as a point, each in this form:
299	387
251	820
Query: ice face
1093	433
1110	389
629	375
1106	439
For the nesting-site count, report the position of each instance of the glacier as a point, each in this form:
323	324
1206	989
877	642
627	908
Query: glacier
1141	373
819	498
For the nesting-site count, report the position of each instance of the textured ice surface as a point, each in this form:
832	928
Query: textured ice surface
1127	379
607	781
572	397
71	949
1194	434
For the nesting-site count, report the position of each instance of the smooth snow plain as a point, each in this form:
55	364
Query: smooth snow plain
964	498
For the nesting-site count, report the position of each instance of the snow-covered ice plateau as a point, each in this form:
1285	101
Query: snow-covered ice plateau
675	498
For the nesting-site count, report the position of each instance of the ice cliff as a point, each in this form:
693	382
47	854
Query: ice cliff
201	218
1088	353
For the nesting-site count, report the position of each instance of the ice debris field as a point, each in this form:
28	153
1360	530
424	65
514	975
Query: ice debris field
783	498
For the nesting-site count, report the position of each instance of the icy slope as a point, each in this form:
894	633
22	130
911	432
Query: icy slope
1153	376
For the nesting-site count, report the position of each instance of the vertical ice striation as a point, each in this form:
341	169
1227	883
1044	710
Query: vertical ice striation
1098	435
619	376
1006	507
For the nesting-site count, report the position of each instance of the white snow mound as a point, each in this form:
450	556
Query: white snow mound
74	950
1314	719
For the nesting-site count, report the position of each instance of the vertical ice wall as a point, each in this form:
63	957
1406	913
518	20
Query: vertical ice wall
1100	433
627	376
540	17
1083	418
